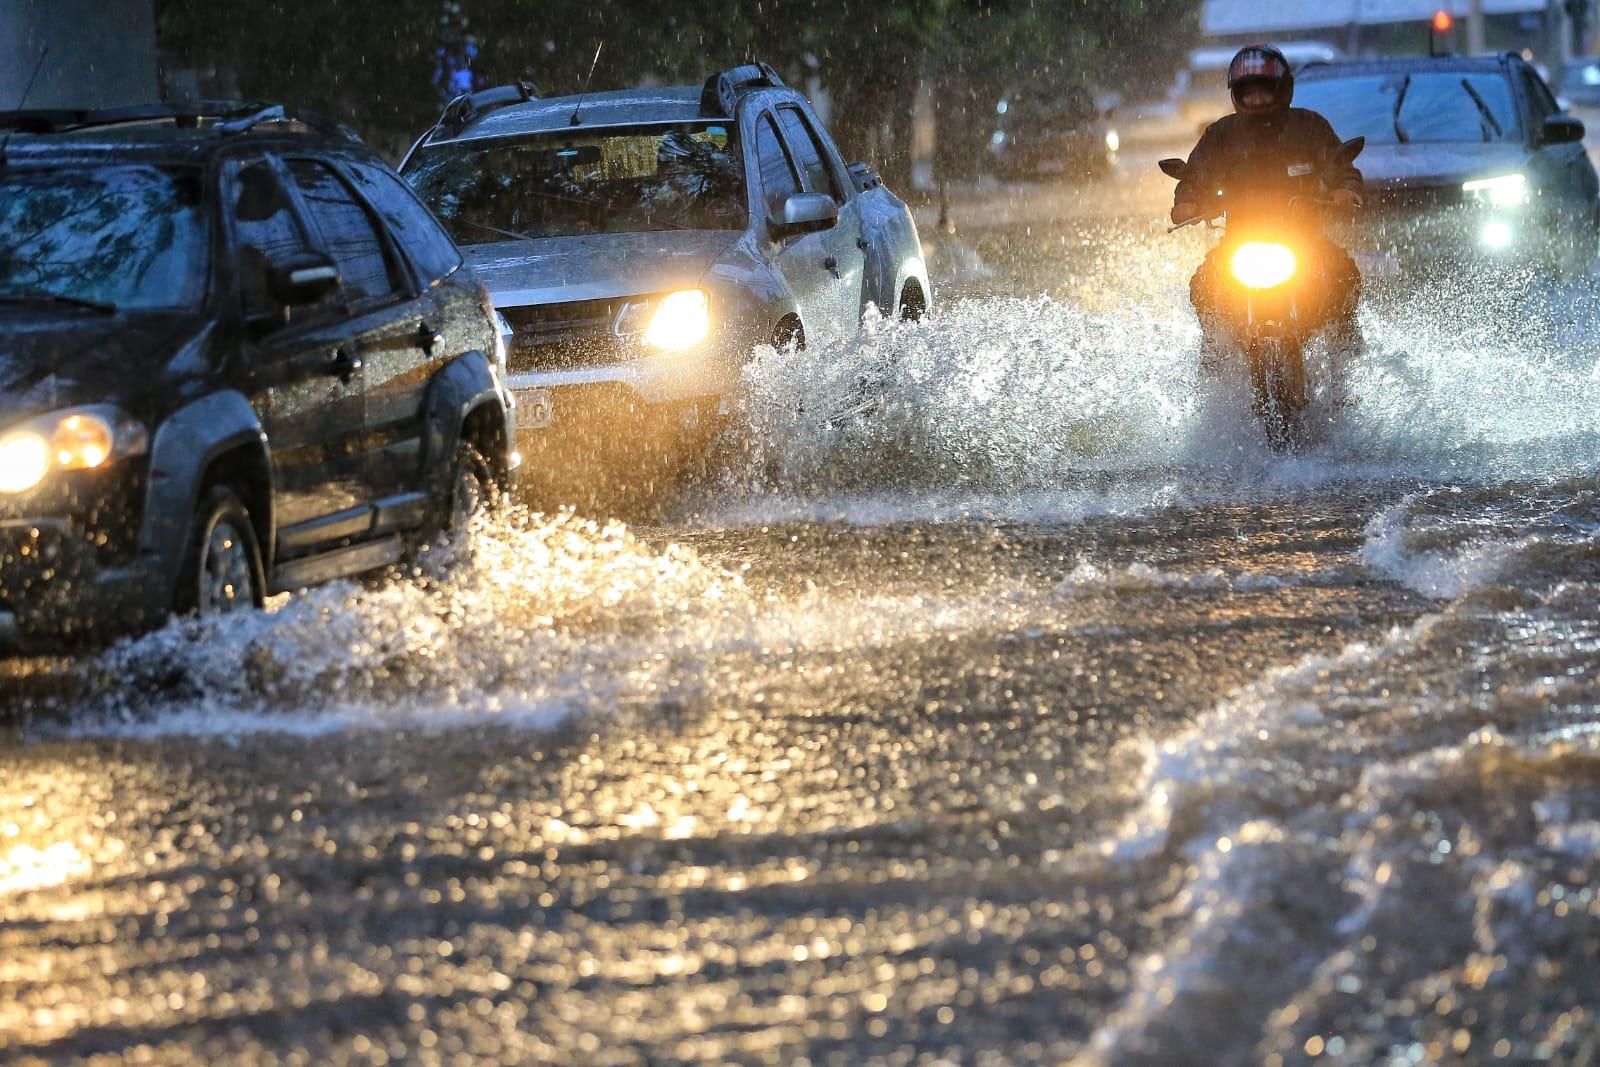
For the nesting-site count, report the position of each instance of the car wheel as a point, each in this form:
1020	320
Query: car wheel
222	571
471	489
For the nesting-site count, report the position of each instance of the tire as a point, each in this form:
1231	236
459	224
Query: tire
1278	378
221	571
470	492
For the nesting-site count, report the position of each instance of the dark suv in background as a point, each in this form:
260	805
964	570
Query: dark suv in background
237	356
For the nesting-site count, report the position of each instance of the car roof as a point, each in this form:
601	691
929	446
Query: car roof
169	133
1405	65
624	107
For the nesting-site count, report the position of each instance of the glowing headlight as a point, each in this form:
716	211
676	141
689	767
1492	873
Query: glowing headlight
1113	141
1259	265
1510	190
67	441
24	461
1496	235
681	320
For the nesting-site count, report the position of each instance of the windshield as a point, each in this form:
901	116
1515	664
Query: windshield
685	176
129	236
1435	107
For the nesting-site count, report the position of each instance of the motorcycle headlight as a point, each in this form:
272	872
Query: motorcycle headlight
1260	265
76	440
1113	141
1508	190
670	323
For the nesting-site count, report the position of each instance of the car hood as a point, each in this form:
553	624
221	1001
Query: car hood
57	359
1425	166
596	266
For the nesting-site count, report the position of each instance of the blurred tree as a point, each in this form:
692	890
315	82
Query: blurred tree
376	65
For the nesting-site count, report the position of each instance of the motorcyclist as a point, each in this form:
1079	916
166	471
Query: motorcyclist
1252	164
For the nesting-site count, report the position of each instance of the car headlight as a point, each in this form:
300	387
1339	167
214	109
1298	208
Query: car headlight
502	341
76	440
670	323
1508	190
1497	234
1113	141
1260	265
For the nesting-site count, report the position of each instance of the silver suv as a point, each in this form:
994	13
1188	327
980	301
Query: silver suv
641	244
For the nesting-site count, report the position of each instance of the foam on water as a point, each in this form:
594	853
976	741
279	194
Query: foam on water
1397	818
1031	407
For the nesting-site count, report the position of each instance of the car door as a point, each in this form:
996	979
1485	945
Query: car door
845	249
302	377
802	259
1562	171
392	329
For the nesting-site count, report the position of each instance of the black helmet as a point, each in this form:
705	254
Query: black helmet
1261	63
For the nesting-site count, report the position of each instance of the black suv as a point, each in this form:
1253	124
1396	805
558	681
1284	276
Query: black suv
237	356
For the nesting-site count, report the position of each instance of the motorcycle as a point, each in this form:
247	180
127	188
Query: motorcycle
1274	277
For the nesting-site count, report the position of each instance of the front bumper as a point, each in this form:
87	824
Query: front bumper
58	591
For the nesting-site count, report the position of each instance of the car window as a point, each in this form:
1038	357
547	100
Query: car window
1416	107
809	154
413	226
779	180
347	232
267	232
628	179
133	236
1540	102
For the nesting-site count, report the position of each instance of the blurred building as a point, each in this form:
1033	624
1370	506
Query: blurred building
1395	27
97	53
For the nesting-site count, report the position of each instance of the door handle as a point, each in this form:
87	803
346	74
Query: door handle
344	365
429	337
831	265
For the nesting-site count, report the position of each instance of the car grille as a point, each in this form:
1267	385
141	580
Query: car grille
563	336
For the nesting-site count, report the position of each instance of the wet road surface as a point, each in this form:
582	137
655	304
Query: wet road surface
1036	713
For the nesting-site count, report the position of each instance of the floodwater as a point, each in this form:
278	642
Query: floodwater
1001	698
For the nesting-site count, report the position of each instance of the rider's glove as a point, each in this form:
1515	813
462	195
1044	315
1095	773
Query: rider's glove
1184	211
1345	199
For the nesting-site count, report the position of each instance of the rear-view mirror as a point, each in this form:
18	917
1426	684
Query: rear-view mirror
1174	168
805	213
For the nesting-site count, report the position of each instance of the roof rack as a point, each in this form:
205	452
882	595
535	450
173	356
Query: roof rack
222	116
468	108
721	92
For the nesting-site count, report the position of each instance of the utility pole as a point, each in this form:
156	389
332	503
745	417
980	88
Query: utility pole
1477	40
1560	47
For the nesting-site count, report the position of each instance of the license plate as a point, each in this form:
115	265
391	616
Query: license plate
535	409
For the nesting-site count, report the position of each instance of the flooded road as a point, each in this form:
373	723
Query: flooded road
1029	711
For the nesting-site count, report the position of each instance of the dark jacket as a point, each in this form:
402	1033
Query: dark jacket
1258	162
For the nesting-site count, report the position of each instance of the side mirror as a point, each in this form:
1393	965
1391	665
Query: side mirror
1174	168
304	278
1562	129
804	213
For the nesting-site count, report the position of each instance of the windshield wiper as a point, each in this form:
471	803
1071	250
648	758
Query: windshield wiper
44	296
1400	102
1483	109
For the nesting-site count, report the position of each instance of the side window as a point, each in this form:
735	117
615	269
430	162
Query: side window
779	181
347	232
810	154
1540	101
267	233
413	226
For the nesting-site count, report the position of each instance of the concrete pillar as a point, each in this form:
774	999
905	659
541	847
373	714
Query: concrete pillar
102	53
